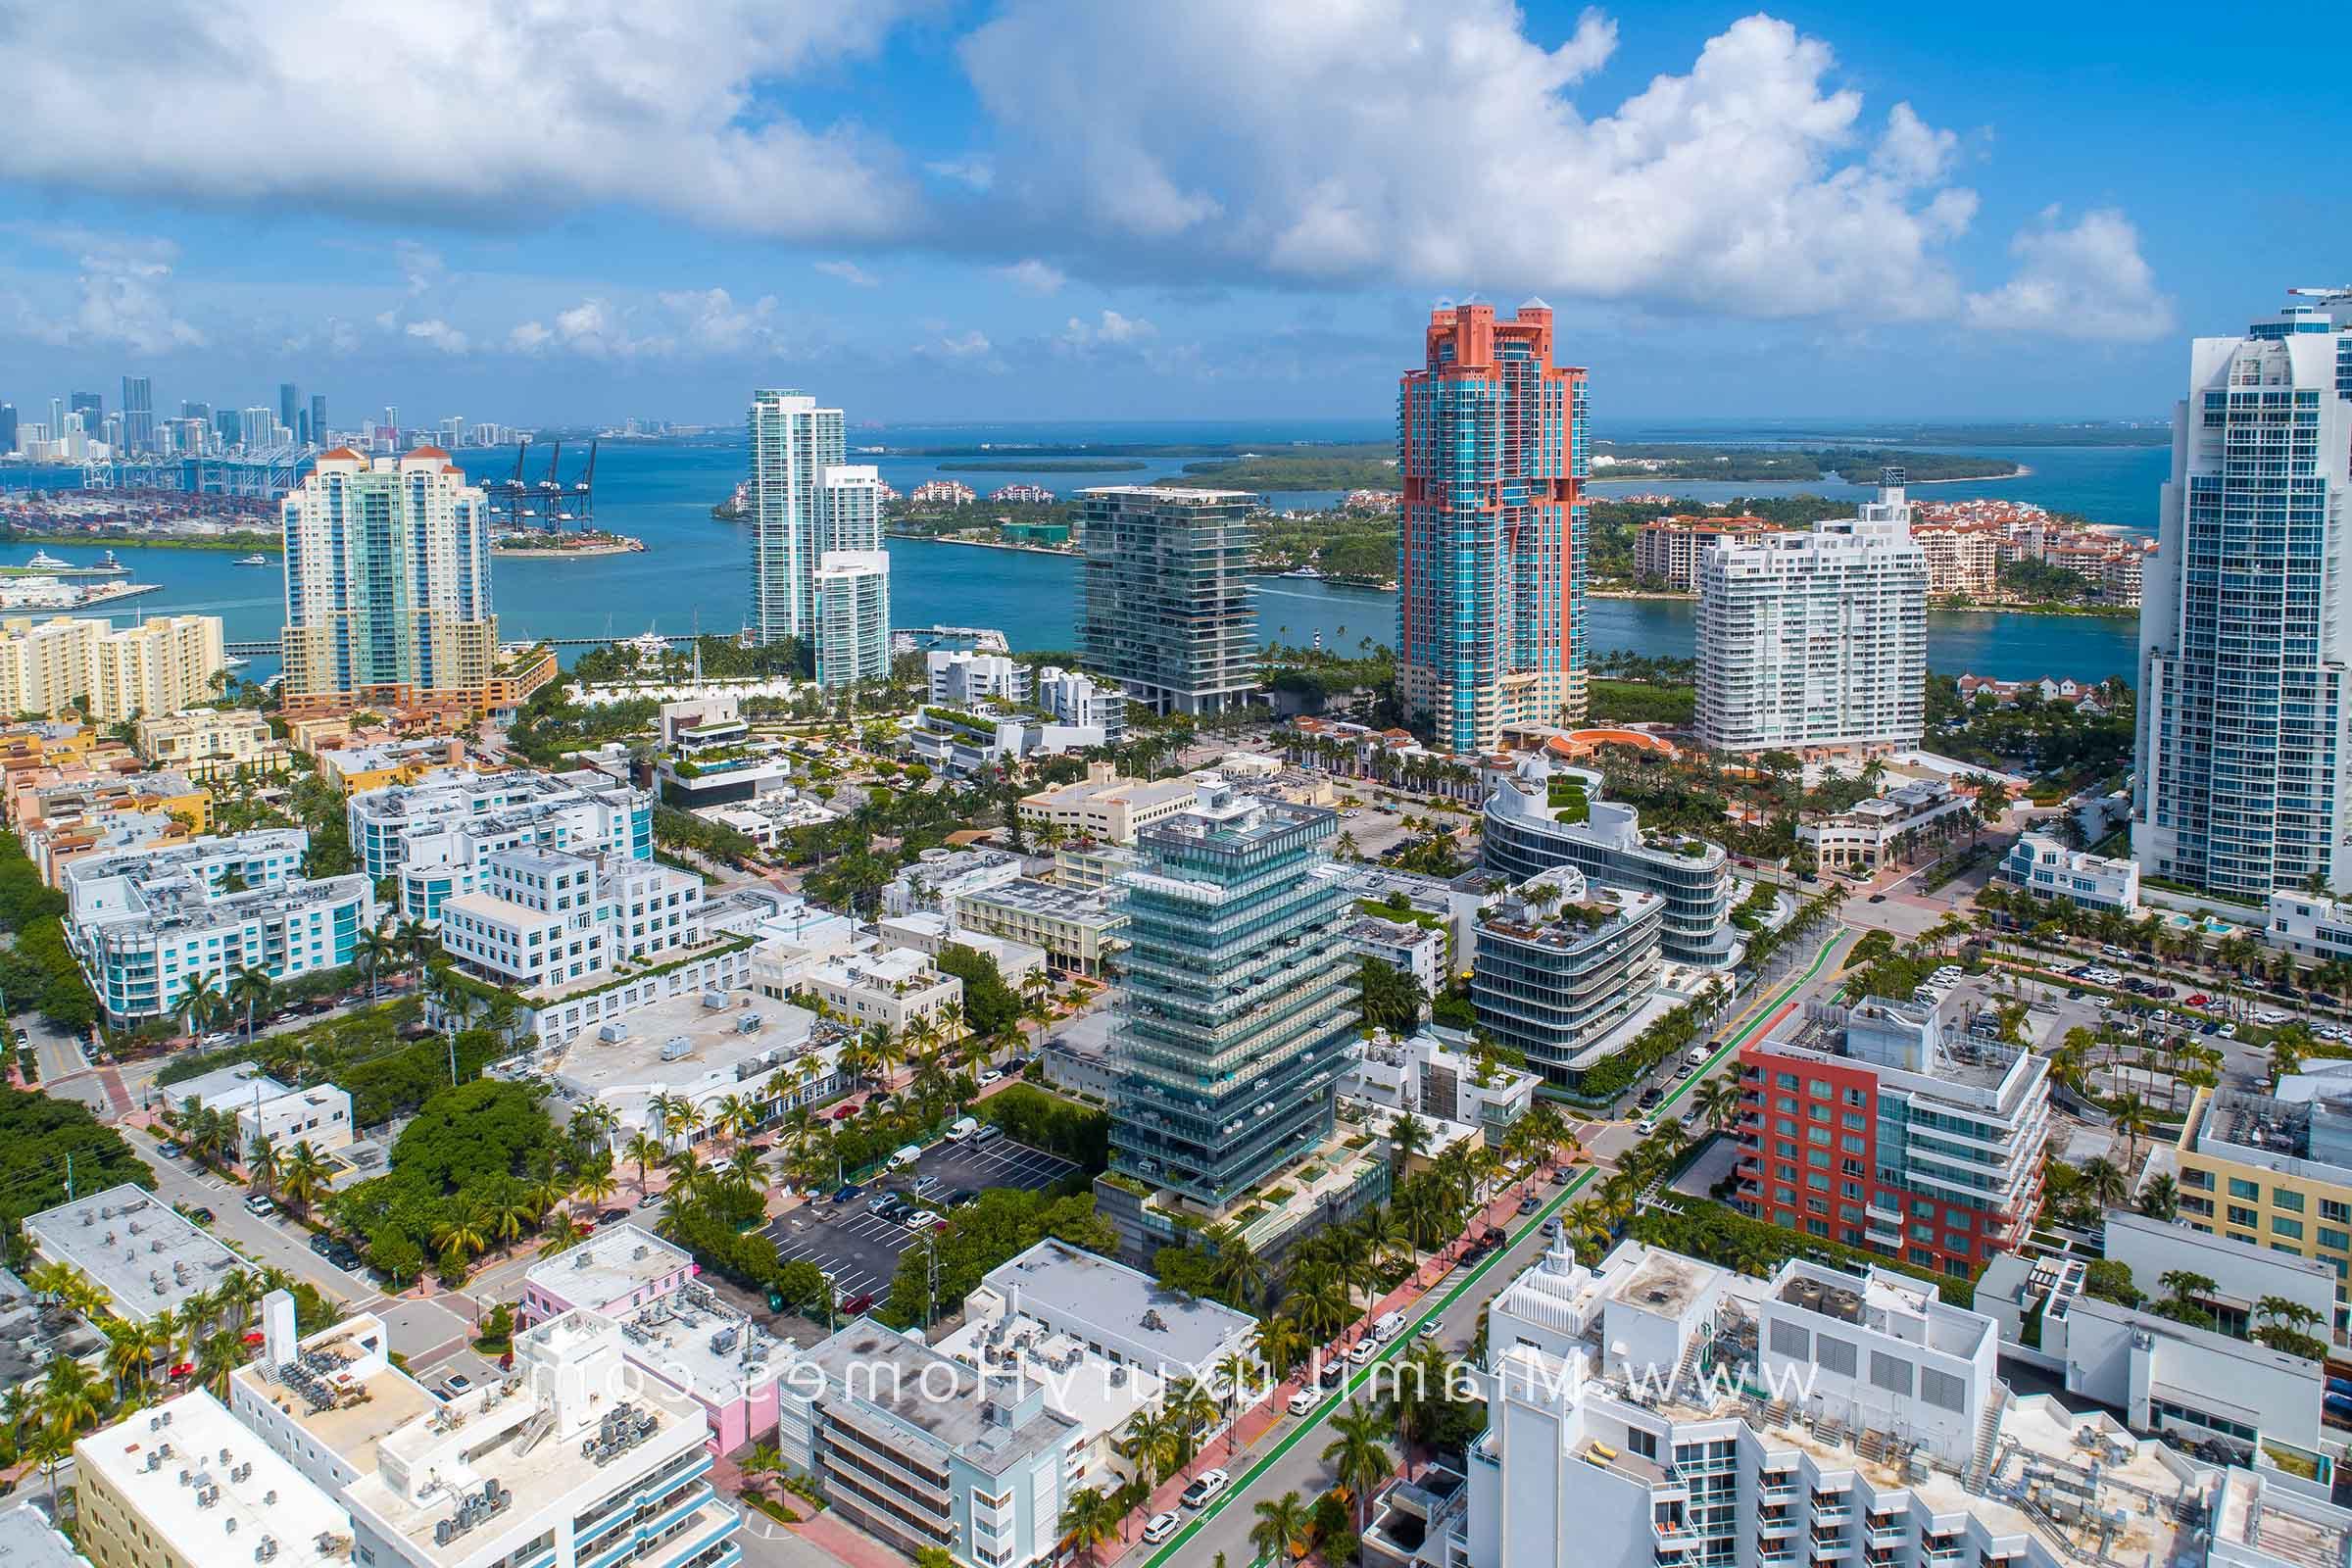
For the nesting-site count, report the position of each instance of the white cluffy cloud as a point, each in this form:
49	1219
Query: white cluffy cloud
1034	277
2088	281
849	272
121	292
505	112
439	334
1435	143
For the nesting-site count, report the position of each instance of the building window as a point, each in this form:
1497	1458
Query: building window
2251	1191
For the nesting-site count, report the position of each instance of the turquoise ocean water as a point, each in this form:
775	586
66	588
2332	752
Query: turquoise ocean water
695	572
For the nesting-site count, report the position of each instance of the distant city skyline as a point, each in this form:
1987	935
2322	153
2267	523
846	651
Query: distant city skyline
944	213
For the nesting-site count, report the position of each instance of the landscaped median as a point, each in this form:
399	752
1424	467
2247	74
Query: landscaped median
1421	1312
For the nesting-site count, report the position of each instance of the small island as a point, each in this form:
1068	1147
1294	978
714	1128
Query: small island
544	544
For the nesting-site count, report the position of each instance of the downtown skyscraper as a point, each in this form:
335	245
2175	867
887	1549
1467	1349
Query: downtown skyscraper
1491	446
2245	725
138	414
806	503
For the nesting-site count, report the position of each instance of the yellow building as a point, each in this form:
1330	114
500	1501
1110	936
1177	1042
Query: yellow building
246	1503
1105	807
2273	1171
162	665
375	766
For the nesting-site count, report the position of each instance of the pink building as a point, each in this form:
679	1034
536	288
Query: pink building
672	1327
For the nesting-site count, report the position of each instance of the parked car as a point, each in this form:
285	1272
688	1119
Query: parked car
169	1151
861	1302
844	1195
201	1214
1530	1204
1304	1401
1161	1526
611	1217
1204	1488
960	1197
323	1244
1333	1373
1645	1126
1365	1351
990	1075
260	1206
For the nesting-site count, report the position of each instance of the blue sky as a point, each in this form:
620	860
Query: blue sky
1065	209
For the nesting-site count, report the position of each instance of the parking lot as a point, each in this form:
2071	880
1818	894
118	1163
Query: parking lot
861	1248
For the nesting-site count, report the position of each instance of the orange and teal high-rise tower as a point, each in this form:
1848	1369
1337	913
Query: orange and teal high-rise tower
1492	450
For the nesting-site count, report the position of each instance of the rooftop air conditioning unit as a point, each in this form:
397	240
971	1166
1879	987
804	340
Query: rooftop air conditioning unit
612	1033
715	999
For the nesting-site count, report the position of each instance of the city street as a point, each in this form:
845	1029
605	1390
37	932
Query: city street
268	1242
1294	1462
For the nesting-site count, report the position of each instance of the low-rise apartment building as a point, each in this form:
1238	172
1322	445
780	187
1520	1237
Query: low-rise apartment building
1105	1340
1407	947
1886	1126
1104	806
2274	1171
1660	1409
922	1452
64	813
568	1461
435	835
964	677
1561	967
1905	820
2163	1375
147	1256
2046	868
2310	925
1437	1075
583	940
938	877
1544	816
144	923
320	1116
212	742
382	764
240	1501
1077	929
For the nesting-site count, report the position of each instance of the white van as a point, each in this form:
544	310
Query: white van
964	1128
906	1157
1697	1057
1388	1325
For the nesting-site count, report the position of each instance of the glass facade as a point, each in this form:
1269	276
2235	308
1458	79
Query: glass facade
1237	998
1490	447
1170	611
2242	726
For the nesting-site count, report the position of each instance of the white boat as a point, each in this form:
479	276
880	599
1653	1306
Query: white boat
256	559
43	561
1302	572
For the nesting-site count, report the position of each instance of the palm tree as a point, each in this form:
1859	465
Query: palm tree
1090	1521
71	1398
198	997
1718	1100
1239	1272
306	1174
1356	1454
252	990
1409	1136
1284	1526
2132	1119
1278	1344
466	1231
372	951
646	1150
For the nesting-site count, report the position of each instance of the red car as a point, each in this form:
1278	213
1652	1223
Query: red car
844	1113
858	1303
2198	1000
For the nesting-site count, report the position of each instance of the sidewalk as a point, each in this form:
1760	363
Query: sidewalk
1428	1274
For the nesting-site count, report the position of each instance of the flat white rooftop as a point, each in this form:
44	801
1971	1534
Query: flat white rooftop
610	1266
136	1248
216	1490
